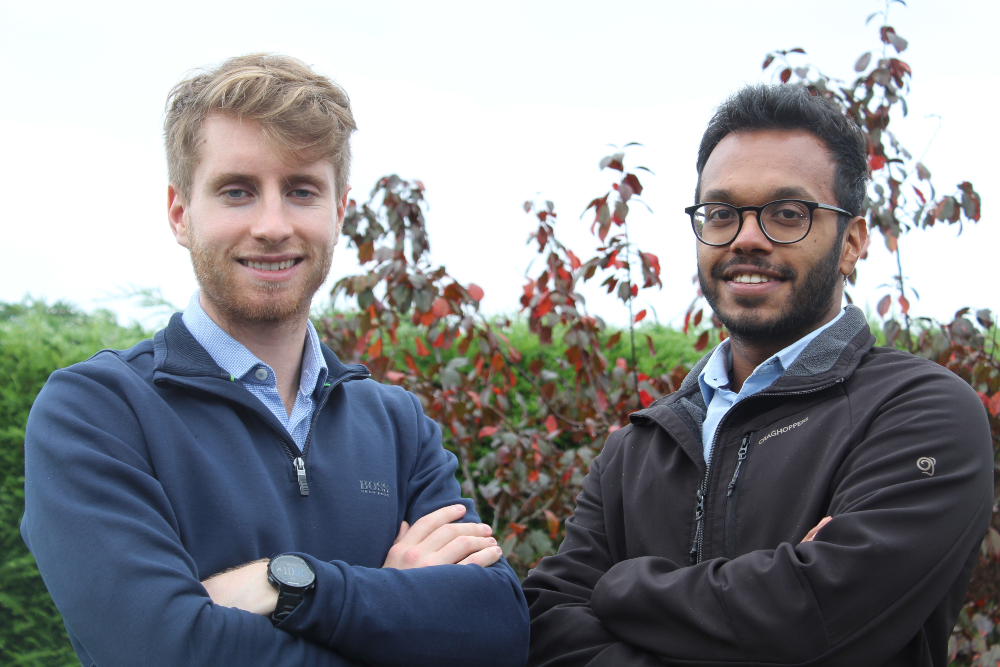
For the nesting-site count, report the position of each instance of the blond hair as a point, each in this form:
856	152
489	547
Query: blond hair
301	112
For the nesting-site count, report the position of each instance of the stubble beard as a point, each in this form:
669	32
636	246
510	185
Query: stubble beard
260	302
810	300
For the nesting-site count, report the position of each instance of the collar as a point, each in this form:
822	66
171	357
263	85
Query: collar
715	374
241	363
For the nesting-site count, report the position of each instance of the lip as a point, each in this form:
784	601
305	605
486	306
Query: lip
773	283
266	274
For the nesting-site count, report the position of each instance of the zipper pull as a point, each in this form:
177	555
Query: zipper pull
740	456
300	472
699	513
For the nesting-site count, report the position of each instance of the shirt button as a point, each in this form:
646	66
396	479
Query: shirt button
261	374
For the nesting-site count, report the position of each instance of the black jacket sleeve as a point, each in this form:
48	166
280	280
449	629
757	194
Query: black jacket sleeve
898	541
564	628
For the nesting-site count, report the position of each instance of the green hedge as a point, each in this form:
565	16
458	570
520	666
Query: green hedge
35	339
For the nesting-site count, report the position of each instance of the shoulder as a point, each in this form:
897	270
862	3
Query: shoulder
108	369
890	372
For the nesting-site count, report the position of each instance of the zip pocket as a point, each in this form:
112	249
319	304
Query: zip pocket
733	496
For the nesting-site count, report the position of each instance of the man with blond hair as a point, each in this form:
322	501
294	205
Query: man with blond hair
229	492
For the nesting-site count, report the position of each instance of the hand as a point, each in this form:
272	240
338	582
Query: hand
815	529
244	587
435	540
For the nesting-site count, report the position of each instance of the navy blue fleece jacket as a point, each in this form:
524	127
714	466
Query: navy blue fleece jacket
148	470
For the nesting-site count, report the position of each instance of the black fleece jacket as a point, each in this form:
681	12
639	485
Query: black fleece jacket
667	559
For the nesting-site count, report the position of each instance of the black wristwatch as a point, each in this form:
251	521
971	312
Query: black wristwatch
291	576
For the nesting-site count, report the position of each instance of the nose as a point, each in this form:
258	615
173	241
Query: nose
272	224
751	239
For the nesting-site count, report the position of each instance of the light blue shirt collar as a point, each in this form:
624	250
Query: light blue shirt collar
714	381
241	363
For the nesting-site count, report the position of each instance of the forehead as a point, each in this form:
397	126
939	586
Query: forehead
750	167
230	144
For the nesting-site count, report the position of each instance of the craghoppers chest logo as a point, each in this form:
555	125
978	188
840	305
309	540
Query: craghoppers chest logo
926	465
375	488
783	429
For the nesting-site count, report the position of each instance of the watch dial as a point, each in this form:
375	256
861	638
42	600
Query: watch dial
292	571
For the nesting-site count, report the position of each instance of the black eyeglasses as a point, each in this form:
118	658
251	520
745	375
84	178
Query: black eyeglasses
782	221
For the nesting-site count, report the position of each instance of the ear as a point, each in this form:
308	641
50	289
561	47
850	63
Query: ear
341	211
855	243
177	215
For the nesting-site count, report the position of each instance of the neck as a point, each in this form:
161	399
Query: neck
748	354
278	344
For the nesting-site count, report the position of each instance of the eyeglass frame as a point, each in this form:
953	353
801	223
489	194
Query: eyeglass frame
740	210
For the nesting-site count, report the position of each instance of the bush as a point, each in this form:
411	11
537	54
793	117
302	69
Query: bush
35	339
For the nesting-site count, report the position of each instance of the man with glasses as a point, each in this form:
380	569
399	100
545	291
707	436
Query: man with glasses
804	497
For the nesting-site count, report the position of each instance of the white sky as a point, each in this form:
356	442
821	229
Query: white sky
488	103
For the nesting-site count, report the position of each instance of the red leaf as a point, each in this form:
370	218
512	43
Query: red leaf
883	305
923	200
702	341
475	291
441	308
421	350
639	316
551	425
644	398
533	476
602	400
786	74
633	183
994	405
376	348
612	339
574	262
649	344
767	61
634	290
904	304
876	162
697	318
552	522
620	363
487	431
395	376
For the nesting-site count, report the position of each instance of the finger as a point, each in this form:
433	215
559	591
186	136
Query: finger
812	533
445	534
428	523
403	529
484	557
460	548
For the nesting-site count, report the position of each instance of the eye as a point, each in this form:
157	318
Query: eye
236	193
300	193
720	215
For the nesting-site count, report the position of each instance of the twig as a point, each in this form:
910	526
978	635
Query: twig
631	320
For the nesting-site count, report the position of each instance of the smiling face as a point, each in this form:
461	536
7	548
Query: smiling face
767	293
260	225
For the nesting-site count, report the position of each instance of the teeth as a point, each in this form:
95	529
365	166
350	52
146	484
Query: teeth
270	266
751	278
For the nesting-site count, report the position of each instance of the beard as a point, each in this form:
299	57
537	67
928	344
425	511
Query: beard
810	300
242	300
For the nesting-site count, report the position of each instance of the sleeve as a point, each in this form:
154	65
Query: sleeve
108	547
898	542
442	615
564	629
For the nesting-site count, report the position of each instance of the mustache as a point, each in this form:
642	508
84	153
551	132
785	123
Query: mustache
719	270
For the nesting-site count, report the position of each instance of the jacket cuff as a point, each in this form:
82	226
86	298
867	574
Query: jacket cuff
317	617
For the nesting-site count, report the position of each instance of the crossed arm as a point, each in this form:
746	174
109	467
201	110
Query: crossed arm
432	540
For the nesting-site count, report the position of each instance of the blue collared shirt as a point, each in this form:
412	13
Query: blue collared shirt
256	376
714	381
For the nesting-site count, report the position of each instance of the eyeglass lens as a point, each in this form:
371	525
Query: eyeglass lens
783	221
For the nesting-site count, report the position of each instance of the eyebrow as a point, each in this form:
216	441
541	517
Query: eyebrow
788	192
234	177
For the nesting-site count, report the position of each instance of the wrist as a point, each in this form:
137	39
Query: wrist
291	578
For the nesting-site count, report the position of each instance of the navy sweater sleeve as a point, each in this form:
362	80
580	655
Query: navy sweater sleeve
441	615
110	552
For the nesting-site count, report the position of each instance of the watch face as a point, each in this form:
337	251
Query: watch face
292	571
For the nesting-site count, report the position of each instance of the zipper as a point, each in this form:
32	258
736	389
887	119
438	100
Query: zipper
732	497
698	543
299	462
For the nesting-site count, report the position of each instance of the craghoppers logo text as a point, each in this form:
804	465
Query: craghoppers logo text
783	429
